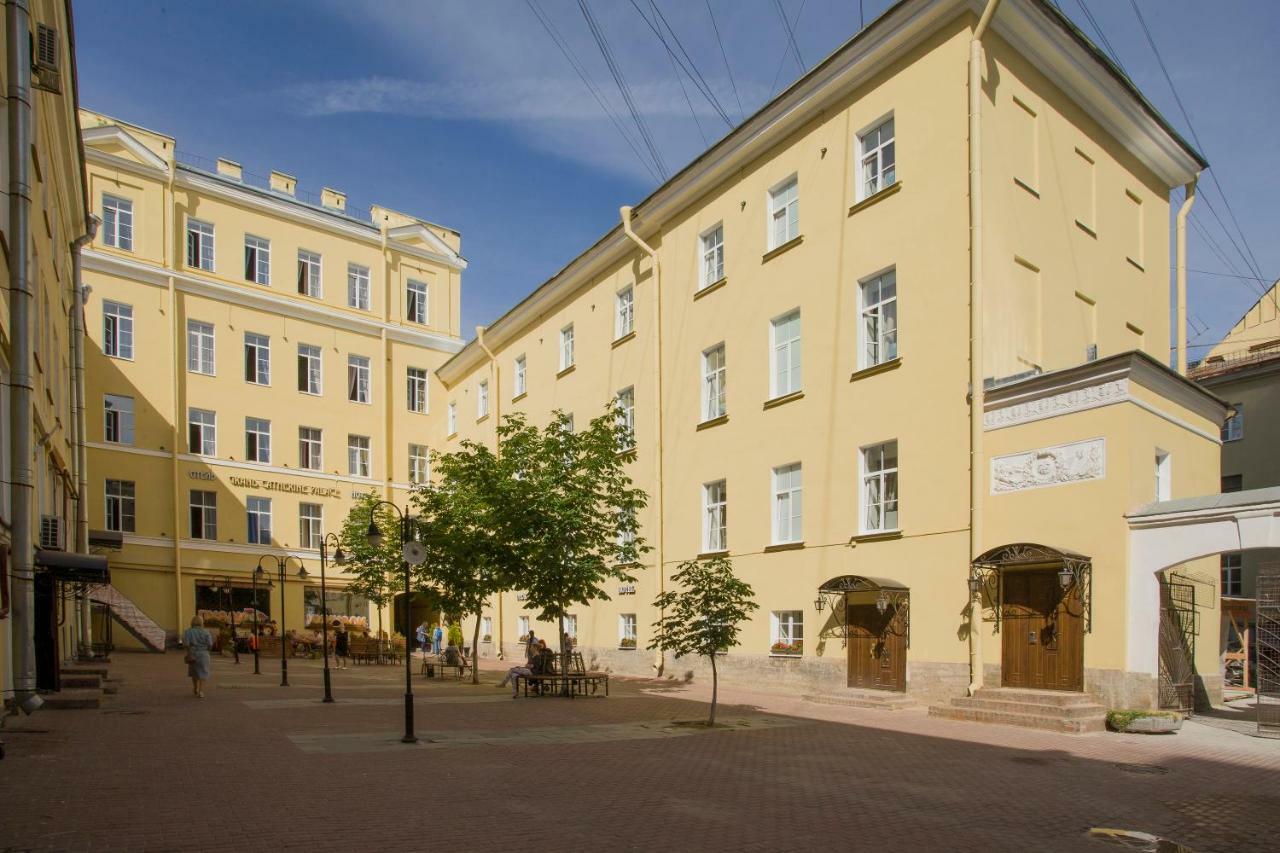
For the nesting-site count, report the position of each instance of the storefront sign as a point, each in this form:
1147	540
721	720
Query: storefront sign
291	488
201	475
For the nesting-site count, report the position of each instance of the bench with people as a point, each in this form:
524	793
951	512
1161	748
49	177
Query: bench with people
452	658
543	675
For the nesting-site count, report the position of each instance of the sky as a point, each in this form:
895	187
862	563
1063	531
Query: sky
468	113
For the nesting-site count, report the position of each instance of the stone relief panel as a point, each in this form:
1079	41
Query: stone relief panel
1049	466
1076	400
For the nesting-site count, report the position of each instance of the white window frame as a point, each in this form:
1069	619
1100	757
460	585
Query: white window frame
359	379
624	321
259	508
257	260
714	399
881	477
452	417
783	208
358	287
117	418
1164	475
1231	567
311	369
873	176
786	626
482	399
788	504
117	222
201	233
571	625
791	350
120	506
208	427
416	389
201	348
627	630
625	409
711	246
310	448
310	525
1233	429
522	627
207	507
877	319
715	516
257	440
257	358
359	455
310	273
519	377
117	329
566	347
419	463
415	301
486	629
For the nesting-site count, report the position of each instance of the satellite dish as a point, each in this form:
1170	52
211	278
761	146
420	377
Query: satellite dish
414	553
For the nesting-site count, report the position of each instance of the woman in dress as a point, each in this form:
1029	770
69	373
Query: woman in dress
198	642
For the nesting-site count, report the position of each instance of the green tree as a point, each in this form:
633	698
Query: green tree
702	615
376	572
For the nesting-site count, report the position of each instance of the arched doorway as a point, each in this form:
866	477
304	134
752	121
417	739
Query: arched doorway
877	629
425	606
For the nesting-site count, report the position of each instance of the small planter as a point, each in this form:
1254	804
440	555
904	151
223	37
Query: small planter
1144	722
627	645
787	650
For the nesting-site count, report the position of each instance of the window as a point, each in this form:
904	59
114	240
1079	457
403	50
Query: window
200	347
482	398
712	257
358	455
418	470
571	625
784	212
117	222
257	260
1233	429
358	378
358	287
1232	575
415	306
257	440
627	630
309	273
880	487
626	537
117	329
715	516
417	389
625	320
202	432
878	169
787	504
257	359
713	376
309	362
310	526
117	420
519	382
120	508
625	410
204	514
1232	483
1164	475
309	448
522	628
199	245
786	629
879	319
566	347
785	355
486	629
453	417
259	515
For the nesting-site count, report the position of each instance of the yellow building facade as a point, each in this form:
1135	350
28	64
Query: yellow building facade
257	360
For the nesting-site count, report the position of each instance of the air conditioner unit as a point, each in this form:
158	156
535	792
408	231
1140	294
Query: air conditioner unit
45	56
51	533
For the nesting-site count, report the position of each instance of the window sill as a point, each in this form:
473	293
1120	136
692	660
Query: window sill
882	367
566	371
482	419
1026	186
784	656
517	398
626	451
707	555
626	648
1139	266
126	358
451	436
723	419
785	398
872	199
876	536
784	546
713	286
617	342
778	250
1086	229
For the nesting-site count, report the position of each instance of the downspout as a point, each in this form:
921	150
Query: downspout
976	395
78	427
495	376
1183	213
659	658
177	338
21	298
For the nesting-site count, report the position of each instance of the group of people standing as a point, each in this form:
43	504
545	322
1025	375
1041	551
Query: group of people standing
199	642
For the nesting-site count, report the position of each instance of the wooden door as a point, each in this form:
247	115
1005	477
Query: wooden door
1043	633
877	647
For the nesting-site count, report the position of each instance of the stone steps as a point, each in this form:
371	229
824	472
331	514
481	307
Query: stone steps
1049	710
1074	712
81	681
82	669
882	700
73	700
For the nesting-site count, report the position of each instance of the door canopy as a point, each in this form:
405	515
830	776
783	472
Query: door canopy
891	594
1075	573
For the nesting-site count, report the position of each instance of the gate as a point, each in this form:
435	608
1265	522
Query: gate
1268	646
1178	631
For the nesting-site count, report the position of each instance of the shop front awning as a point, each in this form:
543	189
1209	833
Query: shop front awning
72	567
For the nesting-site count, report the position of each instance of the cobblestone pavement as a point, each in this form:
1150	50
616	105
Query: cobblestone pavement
258	766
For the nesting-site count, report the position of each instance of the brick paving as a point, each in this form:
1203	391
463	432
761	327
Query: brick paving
259	766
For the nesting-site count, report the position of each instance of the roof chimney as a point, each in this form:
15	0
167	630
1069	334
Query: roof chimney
333	199
230	169
282	183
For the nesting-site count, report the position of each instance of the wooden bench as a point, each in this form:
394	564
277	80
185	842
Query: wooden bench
577	680
431	664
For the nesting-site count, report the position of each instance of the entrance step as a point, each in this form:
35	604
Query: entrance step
74	681
73	700
84	669
1050	710
883	700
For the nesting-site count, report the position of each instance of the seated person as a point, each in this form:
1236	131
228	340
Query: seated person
453	656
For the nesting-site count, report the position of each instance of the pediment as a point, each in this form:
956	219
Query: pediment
115	141
422	237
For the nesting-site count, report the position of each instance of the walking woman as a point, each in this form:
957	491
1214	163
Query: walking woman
341	643
198	642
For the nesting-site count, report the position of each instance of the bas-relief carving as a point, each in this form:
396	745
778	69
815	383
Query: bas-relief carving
1050	466
1075	400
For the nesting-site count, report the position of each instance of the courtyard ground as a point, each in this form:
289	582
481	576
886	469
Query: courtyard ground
258	766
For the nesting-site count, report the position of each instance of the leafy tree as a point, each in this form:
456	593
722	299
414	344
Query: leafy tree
703	615
376	572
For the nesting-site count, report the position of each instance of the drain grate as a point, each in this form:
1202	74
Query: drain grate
1142	769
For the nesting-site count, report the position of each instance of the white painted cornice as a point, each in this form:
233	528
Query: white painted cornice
151	162
258	467
438	248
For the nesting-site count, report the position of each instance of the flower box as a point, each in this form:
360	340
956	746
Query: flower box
787	649
627	643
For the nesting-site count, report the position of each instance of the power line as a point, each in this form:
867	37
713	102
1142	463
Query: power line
695	75
791	34
1267	281
742	115
676	71
1115	56
785	52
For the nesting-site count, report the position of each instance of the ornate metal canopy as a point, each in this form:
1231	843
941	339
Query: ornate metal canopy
891	593
1075	572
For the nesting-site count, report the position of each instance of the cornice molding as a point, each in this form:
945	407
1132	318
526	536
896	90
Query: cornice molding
150	161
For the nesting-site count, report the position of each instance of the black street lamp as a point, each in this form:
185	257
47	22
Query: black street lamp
411	555
281	563
231	616
339	558
256	637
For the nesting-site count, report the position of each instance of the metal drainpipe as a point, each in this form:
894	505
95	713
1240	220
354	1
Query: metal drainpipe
78	416
21	298
1183	212
495	374
659	661
976	395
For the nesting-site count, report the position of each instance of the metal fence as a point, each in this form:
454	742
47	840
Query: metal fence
1267	642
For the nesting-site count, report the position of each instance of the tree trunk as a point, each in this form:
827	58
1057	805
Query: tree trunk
715	685
564	652
475	647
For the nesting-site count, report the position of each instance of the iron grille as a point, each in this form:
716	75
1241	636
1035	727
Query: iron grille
1267	668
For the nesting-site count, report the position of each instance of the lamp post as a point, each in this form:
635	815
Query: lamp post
339	558
281	563
231	616
410	556
256	637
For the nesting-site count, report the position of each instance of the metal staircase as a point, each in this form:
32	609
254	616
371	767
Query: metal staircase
141	626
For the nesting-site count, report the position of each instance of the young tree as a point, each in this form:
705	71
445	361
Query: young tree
703	615
377	572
